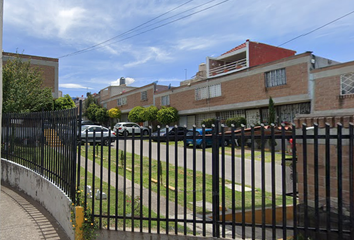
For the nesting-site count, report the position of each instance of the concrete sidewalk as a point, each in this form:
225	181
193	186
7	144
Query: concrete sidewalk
21	217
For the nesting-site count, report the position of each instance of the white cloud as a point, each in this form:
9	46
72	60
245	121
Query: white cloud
145	54
128	81
73	85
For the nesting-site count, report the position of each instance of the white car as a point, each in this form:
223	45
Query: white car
126	128
89	130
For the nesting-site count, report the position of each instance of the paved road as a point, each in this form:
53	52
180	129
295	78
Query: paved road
169	153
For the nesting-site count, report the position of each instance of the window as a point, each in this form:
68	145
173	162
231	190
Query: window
165	100
275	78
122	101
231	114
347	83
144	96
208	92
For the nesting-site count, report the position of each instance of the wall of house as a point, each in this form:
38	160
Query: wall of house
327	88
133	99
260	53
246	89
48	66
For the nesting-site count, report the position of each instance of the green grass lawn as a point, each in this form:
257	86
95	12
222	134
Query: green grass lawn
248	154
125	206
185	193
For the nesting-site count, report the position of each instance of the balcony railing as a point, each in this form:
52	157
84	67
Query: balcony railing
229	67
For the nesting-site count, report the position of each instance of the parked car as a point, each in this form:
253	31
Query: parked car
126	128
87	122
199	141
98	130
208	138
172	131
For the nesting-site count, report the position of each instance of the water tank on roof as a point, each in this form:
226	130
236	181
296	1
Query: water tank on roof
122	81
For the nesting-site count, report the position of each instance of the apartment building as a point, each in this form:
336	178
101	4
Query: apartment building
240	83
48	66
127	99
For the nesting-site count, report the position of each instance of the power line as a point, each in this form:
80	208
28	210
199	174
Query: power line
162	25
109	41
302	35
98	44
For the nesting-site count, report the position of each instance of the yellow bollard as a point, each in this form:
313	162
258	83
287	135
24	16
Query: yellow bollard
79	213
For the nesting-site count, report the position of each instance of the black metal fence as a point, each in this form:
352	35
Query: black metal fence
45	142
267	183
257	183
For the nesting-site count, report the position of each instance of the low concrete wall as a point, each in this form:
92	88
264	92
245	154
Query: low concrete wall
41	190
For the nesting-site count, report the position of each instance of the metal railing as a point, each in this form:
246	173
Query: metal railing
228	67
44	142
243	190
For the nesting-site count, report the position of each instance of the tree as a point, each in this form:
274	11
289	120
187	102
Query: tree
91	112
114	113
88	101
167	115
149	114
23	89
271	111
101	115
65	102
134	114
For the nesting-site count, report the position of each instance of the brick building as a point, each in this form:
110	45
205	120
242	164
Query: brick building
48	66
241	81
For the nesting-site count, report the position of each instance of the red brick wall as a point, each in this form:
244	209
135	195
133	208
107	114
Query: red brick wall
133	99
48	72
260	53
327	89
250	88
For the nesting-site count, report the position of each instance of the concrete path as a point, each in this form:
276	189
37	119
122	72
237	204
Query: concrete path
21	217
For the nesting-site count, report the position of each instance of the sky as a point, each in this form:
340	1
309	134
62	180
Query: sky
98	42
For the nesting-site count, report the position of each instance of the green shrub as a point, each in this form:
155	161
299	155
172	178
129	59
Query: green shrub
237	121
208	122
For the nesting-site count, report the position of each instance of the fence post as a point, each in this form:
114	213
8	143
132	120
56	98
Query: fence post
77	132
7	136
42	143
215	171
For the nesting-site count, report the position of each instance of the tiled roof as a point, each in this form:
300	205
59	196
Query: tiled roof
243	45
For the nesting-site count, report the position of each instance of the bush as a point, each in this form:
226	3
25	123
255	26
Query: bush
237	121
208	122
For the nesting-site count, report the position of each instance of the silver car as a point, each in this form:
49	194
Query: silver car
89	130
126	128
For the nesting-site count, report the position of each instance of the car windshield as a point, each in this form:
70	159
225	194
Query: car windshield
163	130
84	127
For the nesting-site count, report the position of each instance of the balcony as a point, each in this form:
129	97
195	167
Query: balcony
227	67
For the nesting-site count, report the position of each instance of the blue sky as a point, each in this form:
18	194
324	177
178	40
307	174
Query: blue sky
174	50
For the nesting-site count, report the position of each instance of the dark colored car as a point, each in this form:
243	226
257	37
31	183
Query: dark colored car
172	131
87	122
98	130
